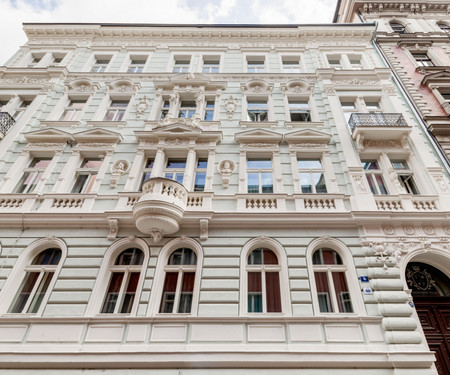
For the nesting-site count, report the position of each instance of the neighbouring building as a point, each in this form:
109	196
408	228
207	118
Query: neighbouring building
208	199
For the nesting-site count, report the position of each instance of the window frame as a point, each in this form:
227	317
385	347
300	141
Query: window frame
100	67
180	68
351	276
18	274
399	27
119	112
101	285
38	172
160	272
252	62
311	172
292	68
280	253
92	174
260	172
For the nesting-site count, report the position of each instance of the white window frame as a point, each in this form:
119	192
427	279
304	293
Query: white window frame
160	274
181	57
260	171
311	171
291	57
256	57
104	276
100	68
217	58
35	171
18	273
350	273
277	248
135	57
92	173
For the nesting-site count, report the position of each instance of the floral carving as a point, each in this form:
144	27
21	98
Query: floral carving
118	168
358	178
113	229
141	106
204	229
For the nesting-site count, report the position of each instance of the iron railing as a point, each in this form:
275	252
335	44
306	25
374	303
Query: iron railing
6	123
377	119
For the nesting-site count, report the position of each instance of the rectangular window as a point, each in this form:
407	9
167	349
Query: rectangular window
116	110
86	175
187	109
32	175
136	66
259	176
291	64
200	175
147	171
20	110
100	65
299	110
422	59
374	177
175	169
348	108
255	64
335	62
355	62
165	109
257	110
405	176
181	65
73	110
210	65
209	110
312	178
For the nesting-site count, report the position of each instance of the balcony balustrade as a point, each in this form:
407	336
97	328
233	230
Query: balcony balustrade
376	120
6	123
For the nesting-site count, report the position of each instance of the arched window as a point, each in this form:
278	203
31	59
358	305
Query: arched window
397	27
179	280
263	283
125	274
35	285
332	289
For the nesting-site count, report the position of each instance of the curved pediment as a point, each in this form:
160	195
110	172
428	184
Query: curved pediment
123	86
257	86
307	136
191	80
296	86
82	85
48	135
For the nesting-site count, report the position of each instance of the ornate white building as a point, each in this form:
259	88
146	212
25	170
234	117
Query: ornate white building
214	200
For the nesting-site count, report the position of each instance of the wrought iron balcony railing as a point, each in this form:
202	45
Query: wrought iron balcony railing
377	119
6	123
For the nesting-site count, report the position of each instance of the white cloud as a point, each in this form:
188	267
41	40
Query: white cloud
152	11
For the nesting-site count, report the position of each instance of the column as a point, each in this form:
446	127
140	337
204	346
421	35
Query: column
190	168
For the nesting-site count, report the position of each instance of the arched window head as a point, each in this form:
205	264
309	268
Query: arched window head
263	282
179	282
397	27
331	283
125	274
36	283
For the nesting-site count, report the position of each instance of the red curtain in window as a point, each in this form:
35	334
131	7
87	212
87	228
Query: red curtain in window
273	292
342	293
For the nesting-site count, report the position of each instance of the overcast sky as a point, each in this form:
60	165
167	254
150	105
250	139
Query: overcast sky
14	12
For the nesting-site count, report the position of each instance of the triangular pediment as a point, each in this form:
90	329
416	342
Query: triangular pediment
48	135
177	128
190	80
258	135
438	77
307	136
98	135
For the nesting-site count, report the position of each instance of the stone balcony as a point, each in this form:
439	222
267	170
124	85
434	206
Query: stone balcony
161	207
378	126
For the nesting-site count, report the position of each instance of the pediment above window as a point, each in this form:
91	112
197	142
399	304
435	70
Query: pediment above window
168	134
48	135
307	136
296	87
82	86
122	86
178	127
189	81
97	135
185	123
439	78
258	135
257	86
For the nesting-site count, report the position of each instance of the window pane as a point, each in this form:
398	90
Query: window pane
273	297
323	292
130	293
22	297
113	293
305	182
326	256
176	163
319	182
309	164
187	289
130	257
380	184
80	183
399	164
267	183
269	257
254	292
371	164
200	179
40	293
253	183
183	257
168	295
342	292
255	257
49	256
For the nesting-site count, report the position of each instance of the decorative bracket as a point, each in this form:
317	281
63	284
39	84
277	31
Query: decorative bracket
204	229
113	229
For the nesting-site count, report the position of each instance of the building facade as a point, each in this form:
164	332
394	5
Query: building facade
214	200
414	39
